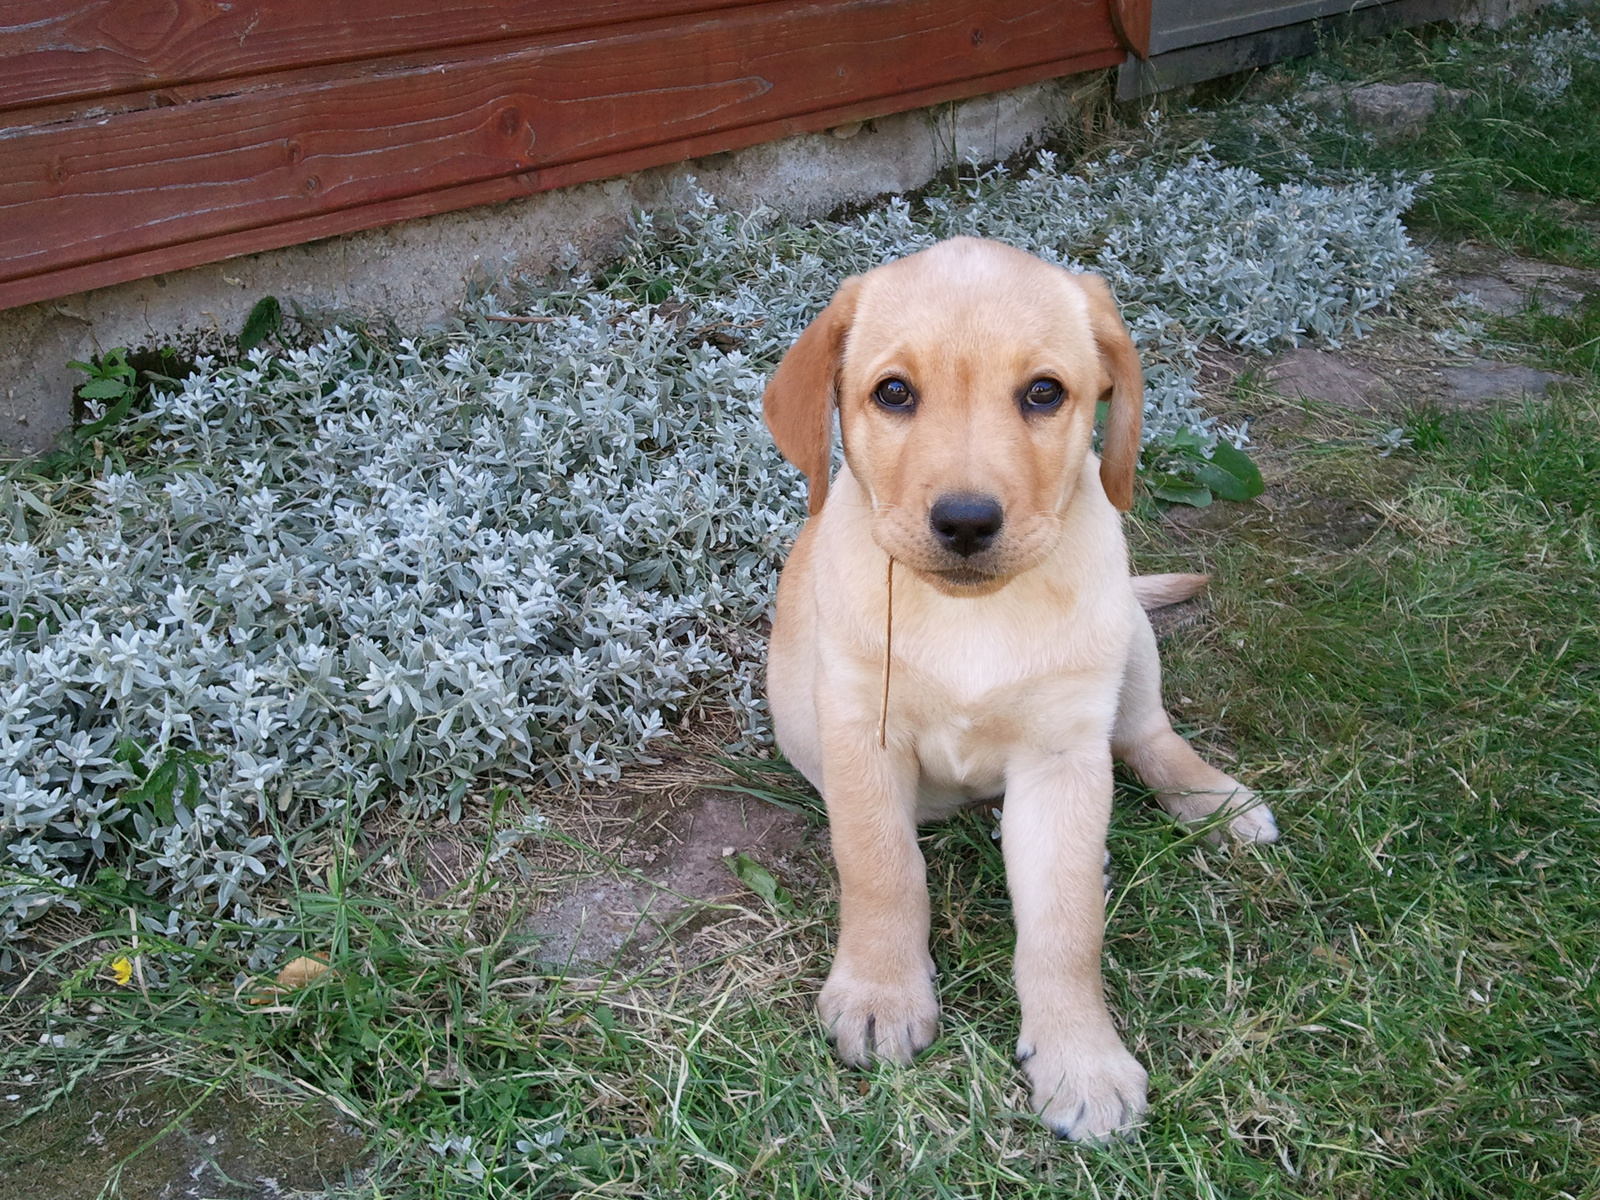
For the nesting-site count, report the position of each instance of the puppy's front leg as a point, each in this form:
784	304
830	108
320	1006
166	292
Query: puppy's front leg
879	1001
1085	1085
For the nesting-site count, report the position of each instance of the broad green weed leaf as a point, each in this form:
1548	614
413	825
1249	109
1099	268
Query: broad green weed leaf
103	389
760	881
1176	490
1238	465
1221	482
265	319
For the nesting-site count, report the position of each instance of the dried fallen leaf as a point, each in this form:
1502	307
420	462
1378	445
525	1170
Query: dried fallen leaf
300	972
1330	955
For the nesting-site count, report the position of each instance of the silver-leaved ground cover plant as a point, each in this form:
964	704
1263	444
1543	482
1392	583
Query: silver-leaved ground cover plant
374	567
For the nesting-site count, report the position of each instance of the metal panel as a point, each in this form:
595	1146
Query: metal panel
1175	24
1175	62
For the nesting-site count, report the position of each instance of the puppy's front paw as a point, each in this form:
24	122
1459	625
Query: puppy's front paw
874	1018
1254	824
1252	820
1086	1093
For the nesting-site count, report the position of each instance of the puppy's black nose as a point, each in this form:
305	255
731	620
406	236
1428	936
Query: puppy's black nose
966	524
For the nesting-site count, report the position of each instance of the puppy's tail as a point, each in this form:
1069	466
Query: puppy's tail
1158	591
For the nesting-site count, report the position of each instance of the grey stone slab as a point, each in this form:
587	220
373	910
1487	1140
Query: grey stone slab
603	917
1507	283
1323	376
1484	380
1401	108
1493	294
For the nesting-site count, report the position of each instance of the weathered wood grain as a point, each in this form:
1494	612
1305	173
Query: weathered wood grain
309	155
58	50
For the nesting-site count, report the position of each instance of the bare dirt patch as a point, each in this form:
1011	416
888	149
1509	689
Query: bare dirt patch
667	873
230	1146
1331	378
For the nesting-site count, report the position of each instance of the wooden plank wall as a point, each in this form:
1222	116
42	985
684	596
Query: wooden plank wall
143	136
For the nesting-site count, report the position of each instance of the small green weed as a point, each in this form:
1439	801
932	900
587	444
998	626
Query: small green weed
112	381
1182	469
118	383
264	320
164	780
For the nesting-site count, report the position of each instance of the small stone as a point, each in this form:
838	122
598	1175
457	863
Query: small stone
1394	108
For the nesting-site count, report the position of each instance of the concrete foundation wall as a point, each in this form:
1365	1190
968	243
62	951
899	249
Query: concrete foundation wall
418	271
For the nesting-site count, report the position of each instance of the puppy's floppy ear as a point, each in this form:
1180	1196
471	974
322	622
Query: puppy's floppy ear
1119	443
798	403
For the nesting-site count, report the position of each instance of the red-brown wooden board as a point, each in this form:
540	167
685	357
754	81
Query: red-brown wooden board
1131	20
272	160
56	50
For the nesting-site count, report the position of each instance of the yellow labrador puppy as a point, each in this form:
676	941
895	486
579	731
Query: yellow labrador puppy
957	622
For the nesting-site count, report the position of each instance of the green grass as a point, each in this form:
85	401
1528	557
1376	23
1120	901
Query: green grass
1566	342
1399	999
1502	163
1431	700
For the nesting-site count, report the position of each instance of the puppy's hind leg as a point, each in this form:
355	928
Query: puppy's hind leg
1186	785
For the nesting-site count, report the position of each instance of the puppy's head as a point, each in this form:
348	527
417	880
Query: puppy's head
966	379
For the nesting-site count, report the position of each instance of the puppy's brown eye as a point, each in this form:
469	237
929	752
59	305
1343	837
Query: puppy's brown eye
1042	395
894	393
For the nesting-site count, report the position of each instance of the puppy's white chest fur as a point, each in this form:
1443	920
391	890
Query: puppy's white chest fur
976	682
972	686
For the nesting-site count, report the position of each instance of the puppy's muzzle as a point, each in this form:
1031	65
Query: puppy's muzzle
966	524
